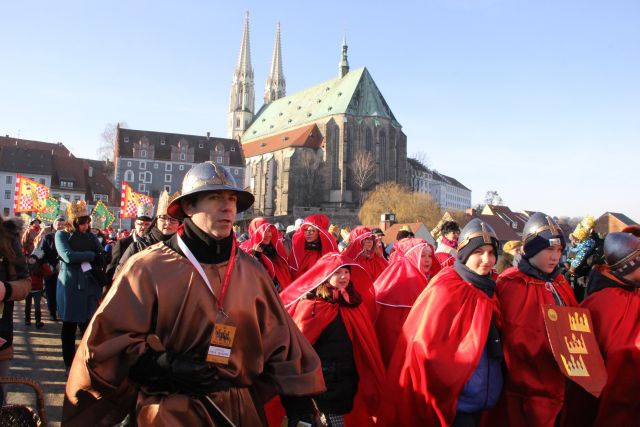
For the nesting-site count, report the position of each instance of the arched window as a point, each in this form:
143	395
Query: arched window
383	155
129	176
334	137
368	140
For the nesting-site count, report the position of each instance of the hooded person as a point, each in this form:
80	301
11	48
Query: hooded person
162	228
192	331
309	243
446	367
331	304
614	304
534	385
448	243
365	249
397	288
264	244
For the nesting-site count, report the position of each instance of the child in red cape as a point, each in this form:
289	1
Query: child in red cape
534	385
310	242
264	243
329	304
446	366
365	250
412	266
614	303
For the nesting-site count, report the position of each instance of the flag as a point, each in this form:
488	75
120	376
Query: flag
130	200
30	196
51	210
101	217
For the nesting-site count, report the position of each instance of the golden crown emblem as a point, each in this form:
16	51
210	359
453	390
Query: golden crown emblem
77	209
576	345
579	323
575	367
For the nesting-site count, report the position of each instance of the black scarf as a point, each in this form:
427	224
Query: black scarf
205	248
157	236
313	246
597	282
527	268
488	286
269	250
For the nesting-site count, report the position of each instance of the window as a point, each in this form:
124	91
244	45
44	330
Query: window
7	194
56	196
235	171
6	212
146	177
128	164
167	188
129	176
103	197
162	140
143	165
155	166
42	181
219	159
143	153
142	187
167	167
76	198
181	167
66	184
9	179
126	139
167	177
233	148
183	156
201	145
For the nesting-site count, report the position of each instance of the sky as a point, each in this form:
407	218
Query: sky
538	100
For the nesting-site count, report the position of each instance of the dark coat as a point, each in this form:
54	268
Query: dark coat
118	250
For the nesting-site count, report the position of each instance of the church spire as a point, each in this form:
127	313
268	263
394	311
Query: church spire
343	66
276	86
242	100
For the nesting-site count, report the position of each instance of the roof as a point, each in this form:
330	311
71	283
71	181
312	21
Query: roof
437	176
355	94
622	217
57	148
306	136
391	232
606	225
202	145
68	169
508	216
25	160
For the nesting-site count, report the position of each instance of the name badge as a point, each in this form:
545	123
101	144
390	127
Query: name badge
221	342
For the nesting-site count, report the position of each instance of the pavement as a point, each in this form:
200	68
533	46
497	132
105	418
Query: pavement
38	355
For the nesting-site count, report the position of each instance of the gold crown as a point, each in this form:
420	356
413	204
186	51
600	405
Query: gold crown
576	345
575	368
77	210
579	324
165	200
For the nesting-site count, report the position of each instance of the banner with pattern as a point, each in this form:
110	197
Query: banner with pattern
51	211
101	216
130	200
30	196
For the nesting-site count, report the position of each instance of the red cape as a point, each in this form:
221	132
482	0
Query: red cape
616	320
439	348
300	259
396	290
276	267
313	316
533	391
374	263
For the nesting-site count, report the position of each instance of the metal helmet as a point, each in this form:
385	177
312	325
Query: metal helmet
475	234
209	176
622	253
541	232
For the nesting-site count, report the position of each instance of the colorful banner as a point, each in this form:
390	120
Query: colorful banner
51	211
30	196
130	200
101	217
574	346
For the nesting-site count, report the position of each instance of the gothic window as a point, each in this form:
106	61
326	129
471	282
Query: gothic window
368	140
382	136
335	152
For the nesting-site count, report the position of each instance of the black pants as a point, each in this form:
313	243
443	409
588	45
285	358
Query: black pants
50	285
68	336
467	420
34	296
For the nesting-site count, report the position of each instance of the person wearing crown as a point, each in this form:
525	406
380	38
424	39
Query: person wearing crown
78	290
162	228
192	332
534	385
446	367
614	304
144	217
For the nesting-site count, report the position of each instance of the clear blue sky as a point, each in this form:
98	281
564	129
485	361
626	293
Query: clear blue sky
539	100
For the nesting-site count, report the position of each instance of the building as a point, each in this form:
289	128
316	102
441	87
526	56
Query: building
300	149
448	192
610	222
515	220
151	162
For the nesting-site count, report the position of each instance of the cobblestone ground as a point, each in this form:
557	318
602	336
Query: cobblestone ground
38	355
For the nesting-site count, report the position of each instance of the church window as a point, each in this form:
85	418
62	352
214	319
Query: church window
335	152
368	141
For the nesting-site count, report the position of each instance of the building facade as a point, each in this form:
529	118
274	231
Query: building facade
448	192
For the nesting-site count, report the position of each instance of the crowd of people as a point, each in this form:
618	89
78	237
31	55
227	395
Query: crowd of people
188	321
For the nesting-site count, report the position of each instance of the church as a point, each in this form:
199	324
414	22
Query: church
321	147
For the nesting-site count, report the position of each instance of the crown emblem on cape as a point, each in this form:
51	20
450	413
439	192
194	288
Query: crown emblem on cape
575	367
579	323
576	345
77	210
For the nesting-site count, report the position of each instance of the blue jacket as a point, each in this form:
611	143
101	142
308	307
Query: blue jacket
78	292
484	387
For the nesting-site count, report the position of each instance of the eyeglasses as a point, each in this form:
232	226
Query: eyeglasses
166	218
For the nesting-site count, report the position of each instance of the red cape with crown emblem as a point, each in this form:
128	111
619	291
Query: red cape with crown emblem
301	259
438	350
374	262
533	391
277	266
397	289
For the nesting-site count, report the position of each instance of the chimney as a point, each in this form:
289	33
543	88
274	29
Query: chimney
387	219
208	134
470	211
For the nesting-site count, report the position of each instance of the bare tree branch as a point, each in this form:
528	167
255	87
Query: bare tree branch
311	169
108	136
363	169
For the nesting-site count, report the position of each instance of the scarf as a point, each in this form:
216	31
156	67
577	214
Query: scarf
451	243
313	246
206	249
268	250
525	266
488	286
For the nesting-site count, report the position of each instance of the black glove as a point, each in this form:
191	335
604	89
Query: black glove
176	373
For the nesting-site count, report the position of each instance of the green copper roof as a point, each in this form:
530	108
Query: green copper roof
355	94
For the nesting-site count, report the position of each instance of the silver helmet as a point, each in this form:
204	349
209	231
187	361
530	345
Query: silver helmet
622	253
209	176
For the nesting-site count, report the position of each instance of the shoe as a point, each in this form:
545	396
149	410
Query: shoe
39	325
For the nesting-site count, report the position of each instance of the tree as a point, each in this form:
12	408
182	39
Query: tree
407	205
108	145
422	158
363	169
493	198
311	170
